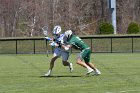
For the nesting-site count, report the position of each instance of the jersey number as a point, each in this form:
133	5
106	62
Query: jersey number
80	39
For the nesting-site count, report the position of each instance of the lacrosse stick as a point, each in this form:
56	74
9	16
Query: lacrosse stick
45	32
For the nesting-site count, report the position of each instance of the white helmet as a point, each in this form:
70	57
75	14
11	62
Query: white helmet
68	33
57	30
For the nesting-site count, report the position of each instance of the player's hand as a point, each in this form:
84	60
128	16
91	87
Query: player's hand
48	38
62	42
53	44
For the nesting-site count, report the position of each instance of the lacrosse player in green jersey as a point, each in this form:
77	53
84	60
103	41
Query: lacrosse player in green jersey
83	58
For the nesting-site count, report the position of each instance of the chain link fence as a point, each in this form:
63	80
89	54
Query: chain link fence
98	44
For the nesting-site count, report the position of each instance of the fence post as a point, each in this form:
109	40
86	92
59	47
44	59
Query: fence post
111	44
16	46
132	45
34	45
91	45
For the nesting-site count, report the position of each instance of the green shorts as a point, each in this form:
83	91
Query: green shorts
85	55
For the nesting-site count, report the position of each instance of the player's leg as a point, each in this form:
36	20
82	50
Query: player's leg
97	72
65	56
55	56
52	62
83	64
51	66
86	56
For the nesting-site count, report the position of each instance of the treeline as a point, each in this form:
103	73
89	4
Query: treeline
19	18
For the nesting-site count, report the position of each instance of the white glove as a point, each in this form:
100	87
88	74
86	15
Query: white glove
62	42
53	44
48	38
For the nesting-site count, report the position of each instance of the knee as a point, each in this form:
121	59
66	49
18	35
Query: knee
65	63
53	59
78	61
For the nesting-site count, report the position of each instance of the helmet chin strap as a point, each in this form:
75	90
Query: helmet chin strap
69	36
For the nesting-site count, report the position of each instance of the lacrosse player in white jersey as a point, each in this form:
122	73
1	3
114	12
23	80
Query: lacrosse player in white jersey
58	51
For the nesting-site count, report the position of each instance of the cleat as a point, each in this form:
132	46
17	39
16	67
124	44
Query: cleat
48	74
97	72
71	67
89	71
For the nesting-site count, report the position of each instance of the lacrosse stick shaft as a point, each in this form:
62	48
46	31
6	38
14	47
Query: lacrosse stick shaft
47	47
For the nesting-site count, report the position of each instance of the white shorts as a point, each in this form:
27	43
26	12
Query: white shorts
60	52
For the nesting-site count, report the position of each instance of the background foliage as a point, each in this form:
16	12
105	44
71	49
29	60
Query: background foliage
133	28
19	18
106	28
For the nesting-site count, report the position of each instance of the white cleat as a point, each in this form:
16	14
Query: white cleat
97	72
48	74
71	67
89	71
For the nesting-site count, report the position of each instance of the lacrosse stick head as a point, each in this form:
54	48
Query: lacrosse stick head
45	30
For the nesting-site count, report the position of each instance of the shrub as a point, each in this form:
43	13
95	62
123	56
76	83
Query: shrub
106	28
133	28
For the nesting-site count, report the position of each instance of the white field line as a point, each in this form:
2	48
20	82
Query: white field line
124	91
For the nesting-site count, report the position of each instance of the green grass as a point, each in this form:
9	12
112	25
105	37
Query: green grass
22	74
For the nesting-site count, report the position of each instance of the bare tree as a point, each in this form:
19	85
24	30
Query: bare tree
27	17
9	15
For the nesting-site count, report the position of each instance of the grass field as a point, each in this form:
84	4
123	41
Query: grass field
23	74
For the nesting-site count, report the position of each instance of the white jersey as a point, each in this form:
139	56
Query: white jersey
58	51
59	39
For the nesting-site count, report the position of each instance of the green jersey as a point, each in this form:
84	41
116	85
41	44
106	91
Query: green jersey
77	42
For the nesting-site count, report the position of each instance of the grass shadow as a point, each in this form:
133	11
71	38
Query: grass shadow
59	76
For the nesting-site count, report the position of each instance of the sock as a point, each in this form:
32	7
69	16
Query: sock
50	71
88	68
